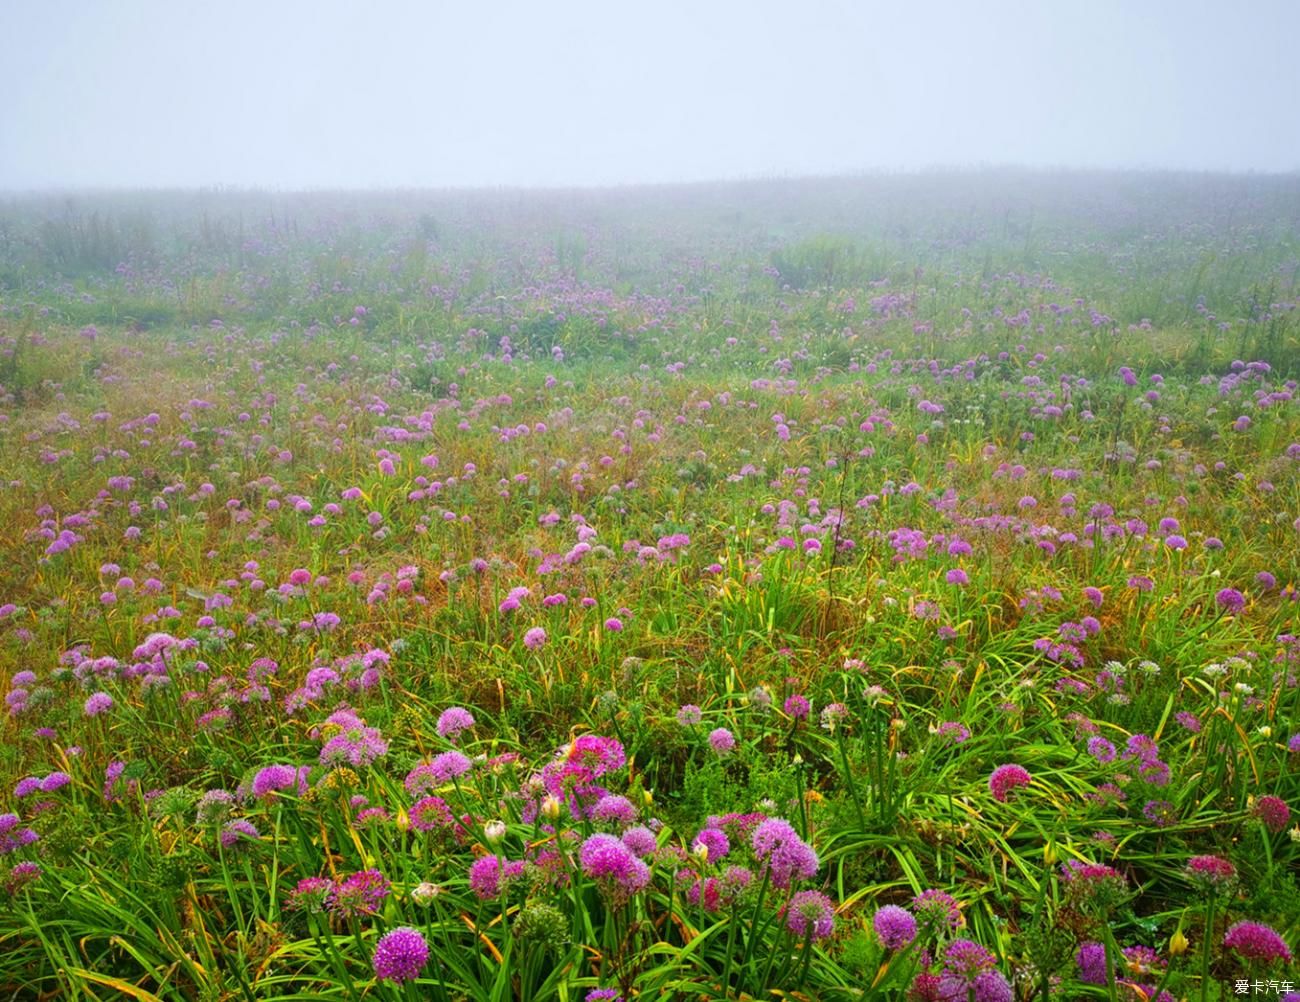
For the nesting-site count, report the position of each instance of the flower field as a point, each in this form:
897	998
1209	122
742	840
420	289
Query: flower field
873	588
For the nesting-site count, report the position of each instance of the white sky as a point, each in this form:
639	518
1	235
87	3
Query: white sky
285	93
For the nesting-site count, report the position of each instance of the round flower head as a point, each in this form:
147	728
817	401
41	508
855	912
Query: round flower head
453	720
640	839
97	703
237	832
400	955
1256	941
1273	811
776	843
449	765
1211	873
1005	779
360	893
797	707
721	740
965	959
895	927
1230	600
1093	885
811	914
937	911
1091	960
608	861
689	715
490	876
713	842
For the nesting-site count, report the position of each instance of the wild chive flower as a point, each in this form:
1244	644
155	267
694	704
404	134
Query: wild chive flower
605	859
1230	600
689	715
895	927
1160	813
603	995
968	973
810	914
310	895
831	715
723	741
797	707
449	765
535	638
640	839
714	843
1094	886
1256	941
236	832
614	809
275	778
452	721
1211	873
400	955
1091	961
936	911
786	855
1005	779
430	813
360	893
97	703
489	876
1273	812
1102	750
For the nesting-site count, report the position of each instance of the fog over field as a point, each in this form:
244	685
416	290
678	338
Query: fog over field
153	93
573	502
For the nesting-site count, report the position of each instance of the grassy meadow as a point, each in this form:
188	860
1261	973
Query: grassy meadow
861	588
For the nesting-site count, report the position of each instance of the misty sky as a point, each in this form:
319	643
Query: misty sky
291	94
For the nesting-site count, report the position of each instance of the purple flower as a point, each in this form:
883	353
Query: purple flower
614	624
810	914
610	863
1005	779
714	842
535	638
689	715
1256	941
1273	811
798	707
1102	750
274	778
400	955
449	765
236	832
723	741
1211	873
640	839
776	843
895	927
1230	600
937	910
453	720
489	876
97	703
614	809
360	893
55	781
1091	960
